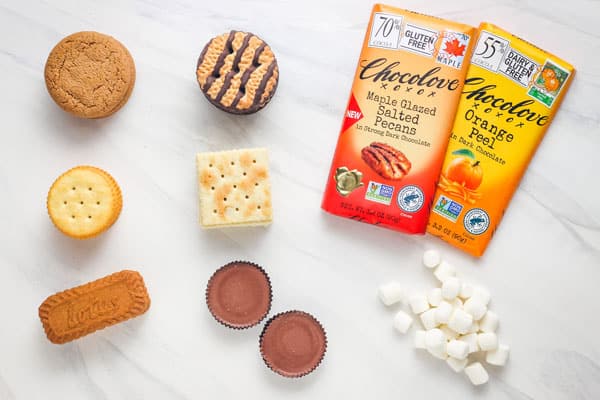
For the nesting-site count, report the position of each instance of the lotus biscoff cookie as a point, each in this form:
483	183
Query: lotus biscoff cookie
237	72
89	74
79	311
234	188
84	202
398	119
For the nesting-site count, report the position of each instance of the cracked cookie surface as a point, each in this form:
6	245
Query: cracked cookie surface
237	72
89	74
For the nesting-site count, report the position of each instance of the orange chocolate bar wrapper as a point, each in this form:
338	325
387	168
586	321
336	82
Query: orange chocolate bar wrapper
395	130
512	92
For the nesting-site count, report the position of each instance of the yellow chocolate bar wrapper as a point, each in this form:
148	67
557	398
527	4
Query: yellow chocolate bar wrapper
511	94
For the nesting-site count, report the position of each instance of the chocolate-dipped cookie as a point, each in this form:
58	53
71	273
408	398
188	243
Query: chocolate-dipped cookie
237	72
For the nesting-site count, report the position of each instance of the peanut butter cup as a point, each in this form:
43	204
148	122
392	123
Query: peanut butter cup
293	343
238	294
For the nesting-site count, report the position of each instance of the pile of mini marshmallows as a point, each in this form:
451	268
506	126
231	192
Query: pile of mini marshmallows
456	319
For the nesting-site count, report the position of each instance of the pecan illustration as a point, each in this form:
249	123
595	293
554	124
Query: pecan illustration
387	161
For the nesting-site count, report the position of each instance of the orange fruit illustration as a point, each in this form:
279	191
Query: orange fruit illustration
548	73
551	84
466	172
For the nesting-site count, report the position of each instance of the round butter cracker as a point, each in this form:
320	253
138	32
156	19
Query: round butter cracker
84	202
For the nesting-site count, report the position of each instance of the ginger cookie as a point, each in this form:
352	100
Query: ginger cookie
90	75
84	309
237	72
84	202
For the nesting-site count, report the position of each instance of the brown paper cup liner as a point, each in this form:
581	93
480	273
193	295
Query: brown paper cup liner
233	320
275	353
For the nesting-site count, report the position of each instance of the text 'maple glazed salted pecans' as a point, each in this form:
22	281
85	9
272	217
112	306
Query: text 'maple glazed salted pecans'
512	92
399	116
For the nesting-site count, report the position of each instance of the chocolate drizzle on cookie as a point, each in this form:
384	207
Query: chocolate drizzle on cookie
237	72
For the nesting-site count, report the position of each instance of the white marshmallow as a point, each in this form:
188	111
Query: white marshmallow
418	303
443	312
482	294
420	339
390	293
475	307
460	321
434	297
499	356
444	271
466	291
474	327
451	288
487	341
477	374
435	342
450	334
431	258
489	323
402	321
457	349
457	365
471	340
428	319
457	303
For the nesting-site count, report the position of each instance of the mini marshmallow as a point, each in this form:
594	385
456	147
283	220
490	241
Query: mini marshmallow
402	321
418	303
443	312
460	321
420	339
449	333
489	323
457	365
435	342
499	356
466	291
434	297
431	258
471	340
428	319
457	349
457	303
451	288
482	294
444	271
487	341
477	374
475	307
474	327
390	293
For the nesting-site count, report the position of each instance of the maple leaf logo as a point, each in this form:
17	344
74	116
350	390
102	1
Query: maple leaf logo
455	48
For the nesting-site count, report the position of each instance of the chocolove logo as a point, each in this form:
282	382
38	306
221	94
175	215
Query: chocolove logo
380	70
478	90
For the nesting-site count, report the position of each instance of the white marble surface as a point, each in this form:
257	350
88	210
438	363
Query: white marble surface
542	266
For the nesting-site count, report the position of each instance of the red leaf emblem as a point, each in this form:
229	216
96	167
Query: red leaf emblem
455	48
